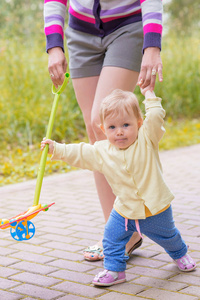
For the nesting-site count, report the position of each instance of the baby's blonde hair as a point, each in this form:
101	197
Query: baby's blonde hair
118	102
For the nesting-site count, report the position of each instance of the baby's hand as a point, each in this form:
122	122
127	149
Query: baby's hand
147	93
51	145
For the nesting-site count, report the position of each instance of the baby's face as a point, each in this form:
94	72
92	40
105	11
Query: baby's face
122	130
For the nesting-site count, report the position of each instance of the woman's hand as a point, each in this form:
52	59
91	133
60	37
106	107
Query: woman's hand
51	145
151	65
57	65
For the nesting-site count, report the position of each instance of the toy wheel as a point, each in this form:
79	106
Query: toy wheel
25	230
14	234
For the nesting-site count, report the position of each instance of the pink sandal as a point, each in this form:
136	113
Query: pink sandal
108	278
185	263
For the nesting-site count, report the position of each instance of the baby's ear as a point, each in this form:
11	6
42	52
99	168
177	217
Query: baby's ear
102	128
140	122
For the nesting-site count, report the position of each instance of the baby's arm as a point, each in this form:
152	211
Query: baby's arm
81	155
153	123
51	145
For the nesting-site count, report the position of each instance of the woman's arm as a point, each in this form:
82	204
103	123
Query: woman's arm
152	11
54	20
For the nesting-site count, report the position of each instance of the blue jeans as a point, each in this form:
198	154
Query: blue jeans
159	228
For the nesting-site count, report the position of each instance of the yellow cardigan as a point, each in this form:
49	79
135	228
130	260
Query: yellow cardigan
134	174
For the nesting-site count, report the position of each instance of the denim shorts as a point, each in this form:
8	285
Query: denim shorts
88	54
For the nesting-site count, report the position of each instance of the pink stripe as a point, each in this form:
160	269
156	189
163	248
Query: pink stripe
126	224
81	17
104	20
141	1
153	28
54	29
60	1
138	228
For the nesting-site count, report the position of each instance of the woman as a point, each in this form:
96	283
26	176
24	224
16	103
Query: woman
111	44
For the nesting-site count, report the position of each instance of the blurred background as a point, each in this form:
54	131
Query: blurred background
25	87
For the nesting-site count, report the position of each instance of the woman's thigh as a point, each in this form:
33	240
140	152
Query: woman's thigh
112	78
90	92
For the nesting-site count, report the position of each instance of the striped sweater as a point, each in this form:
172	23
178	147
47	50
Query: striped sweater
101	17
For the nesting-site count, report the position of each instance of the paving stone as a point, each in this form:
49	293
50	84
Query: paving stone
158	294
140	261
150	272
28	298
35	278
62	246
6	272
192	290
73	297
7	261
30	248
159	283
79	289
128	288
188	278
70	265
56	237
73	276
65	255
38	258
37	292
9	296
35	268
6	251
7	283
118	296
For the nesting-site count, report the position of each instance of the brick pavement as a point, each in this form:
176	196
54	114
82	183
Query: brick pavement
51	266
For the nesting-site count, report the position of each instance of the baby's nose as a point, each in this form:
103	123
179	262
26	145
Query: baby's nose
119	131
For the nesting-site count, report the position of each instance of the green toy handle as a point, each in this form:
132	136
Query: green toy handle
48	136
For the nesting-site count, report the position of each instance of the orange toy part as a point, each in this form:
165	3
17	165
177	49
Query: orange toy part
27	215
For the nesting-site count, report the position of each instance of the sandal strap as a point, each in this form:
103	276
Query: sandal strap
95	248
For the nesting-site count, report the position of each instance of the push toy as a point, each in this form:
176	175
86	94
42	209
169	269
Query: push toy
21	228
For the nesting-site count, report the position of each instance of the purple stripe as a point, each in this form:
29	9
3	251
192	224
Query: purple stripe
54	40
152	39
81	8
53	18
118	10
152	15
106	28
121	9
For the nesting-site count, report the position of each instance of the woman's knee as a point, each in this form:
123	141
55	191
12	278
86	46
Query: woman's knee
95	123
90	132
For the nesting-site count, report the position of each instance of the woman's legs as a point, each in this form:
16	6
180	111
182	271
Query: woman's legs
89	93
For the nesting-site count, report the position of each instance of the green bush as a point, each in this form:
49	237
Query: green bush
26	99
180	89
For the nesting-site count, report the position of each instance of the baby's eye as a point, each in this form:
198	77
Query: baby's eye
126	125
112	127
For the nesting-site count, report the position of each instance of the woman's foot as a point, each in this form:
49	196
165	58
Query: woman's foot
95	252
185	263
134	243
108	278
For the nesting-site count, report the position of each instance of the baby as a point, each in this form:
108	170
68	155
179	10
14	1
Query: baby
130	161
